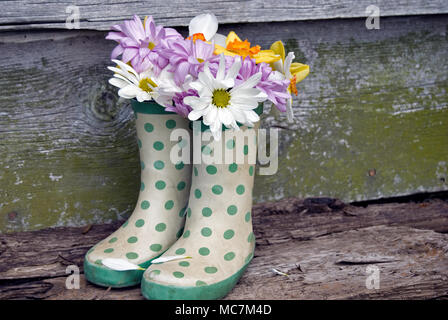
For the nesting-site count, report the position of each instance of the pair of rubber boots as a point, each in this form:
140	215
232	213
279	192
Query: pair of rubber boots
201	212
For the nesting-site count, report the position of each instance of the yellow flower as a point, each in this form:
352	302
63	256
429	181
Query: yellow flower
236	47
292	71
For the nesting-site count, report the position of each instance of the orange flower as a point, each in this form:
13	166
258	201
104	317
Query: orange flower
197	36
242	48
236	47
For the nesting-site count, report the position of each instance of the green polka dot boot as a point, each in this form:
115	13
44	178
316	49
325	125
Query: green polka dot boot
158	219
218	232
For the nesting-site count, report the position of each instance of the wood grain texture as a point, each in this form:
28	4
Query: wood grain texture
323	244
99	15
371	120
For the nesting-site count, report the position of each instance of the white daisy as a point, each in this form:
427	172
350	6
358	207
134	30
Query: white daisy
167	87
142	86
220	102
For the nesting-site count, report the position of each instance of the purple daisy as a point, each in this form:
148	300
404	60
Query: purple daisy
178	100
187	57
276	88
140	43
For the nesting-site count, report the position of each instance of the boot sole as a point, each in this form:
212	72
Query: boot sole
105	277
156	291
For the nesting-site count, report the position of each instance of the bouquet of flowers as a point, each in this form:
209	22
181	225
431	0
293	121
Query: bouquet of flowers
190	235
208	76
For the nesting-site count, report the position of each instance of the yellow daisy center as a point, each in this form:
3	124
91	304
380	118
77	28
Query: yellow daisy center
221	98
200	60
151	45
146	84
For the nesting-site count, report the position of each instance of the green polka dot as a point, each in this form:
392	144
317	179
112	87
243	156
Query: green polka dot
114	239
160	185
247	217
195	171
142	165
182	143
251	171
145	204
246	149
206	232
240	189
229	256
160	227
159	165
139	223
229	234
156	247
139	142
206	212
186	234
232	210
184	263
149	127
169	205
178	274
251	237
142	186
131	255
170	124
180	251
233	167
204	251
154	272
230	144
211	169
181	185
180	165
109	250
158	145
210	269
125	224
197	193
217	189
206	150
200	283
179	233
132	239
98	262
182	212
189	212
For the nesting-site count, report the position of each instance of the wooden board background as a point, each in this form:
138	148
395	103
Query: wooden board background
326	248
100	14
372	117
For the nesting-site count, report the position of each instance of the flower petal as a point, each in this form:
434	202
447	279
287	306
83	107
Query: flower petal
120	264
168	258
205	23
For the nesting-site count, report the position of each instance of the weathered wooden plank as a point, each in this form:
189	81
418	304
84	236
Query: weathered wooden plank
22	254
99	15
328	261
371	121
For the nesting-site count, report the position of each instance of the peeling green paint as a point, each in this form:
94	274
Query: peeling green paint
369	116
